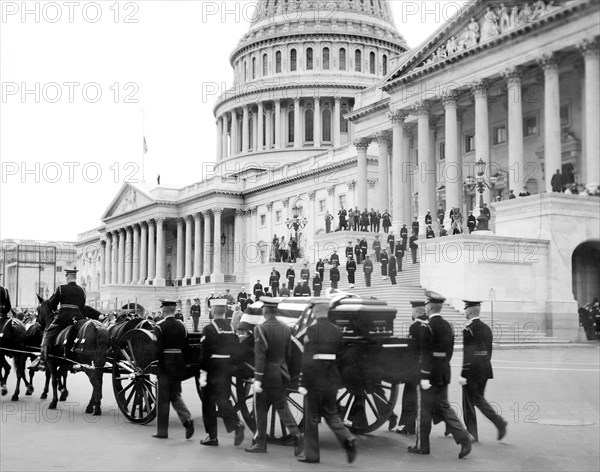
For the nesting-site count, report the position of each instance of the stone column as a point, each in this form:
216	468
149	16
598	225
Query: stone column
331	206
207	247
254	130
591	161
143	253
218	249
151	252
115	258
297	124
482	131
135	262
261	117
408	170
225	145
180	250
245	130
268	128
121	265
160	253
515	131
361	178
103	271
197	246
552	144
239	245
423	177
451	172
336	122
234	149
383	141
219	138
399	170
317	123
188	247
277	124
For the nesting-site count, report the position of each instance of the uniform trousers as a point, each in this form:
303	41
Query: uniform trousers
368	279
377	254
413	251
275	289
276	396
334	284
216	394
63	319
321	273
393	279
433	406
408	416
195	319
169	393
473	396
317	404
350	277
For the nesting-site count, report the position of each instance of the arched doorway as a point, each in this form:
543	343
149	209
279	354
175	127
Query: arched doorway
134	308
586	272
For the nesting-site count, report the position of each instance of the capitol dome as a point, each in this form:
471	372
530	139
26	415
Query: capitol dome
296	72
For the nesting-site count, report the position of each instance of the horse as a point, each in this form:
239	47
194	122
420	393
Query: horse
84	344
12	338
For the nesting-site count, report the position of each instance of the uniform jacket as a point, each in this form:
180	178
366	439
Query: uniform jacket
387	219
284	291
334	274
392	269
335	258
5	305
437	346
290	274
415	227
320	265
195	310
384	258
349	251
477	352
257	288
404	233
304	273
363	247
317	284
350	266
272	349
368	267
218	342
273	280
323	337
377	245
414	345
428	219
399	252
68	294
171	336
413	242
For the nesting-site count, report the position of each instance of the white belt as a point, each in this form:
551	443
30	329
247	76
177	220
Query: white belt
66	305
324	357
172	351
220	356
439	354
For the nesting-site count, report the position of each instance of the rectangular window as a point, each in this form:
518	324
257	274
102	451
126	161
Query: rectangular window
470	142
442	150
342	200
530	126
499	134
278	216
263	220
565	115
322	207
59	269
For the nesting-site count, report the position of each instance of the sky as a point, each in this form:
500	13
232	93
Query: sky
83	82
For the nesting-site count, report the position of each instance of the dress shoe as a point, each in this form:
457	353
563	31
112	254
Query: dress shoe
465	448
301	458
239	435
298	444
350	447
160	436
256	448
208	441
502	430
404	430
392	422
416	450
189	428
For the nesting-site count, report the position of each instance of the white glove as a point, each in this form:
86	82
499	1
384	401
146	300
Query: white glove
425	384
258	386
203	378
462	381
302	391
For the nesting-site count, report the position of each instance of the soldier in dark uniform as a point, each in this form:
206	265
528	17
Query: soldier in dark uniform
377	248
272	349
284	291
392	269
5	305
72	301
334	276
305	272
304	288
351	269
384	259
342	218
364	246
477	369
428	219
357	252
437	345
171	338
258	290
319	382
317	284
406	425
290	275
274	282
219	347
391	240
334	258
368	270
195	312
471	222
321	269
404	236
413	247
399	253
349	250
243	299
415	226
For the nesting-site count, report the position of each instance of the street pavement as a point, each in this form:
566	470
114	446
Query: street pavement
550	397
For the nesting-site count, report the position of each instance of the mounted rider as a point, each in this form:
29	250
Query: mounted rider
5	305
71	298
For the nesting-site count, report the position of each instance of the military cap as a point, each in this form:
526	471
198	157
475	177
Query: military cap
470	303
417	303
434	297
71	271
164	302
269	301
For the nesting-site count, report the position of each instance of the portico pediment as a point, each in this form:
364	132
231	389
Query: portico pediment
129	198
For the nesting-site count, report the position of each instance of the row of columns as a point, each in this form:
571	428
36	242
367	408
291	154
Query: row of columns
227	127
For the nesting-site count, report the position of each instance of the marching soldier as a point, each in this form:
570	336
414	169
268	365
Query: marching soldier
477	369
437	345
171	338
5	305
71	298
408	417
272	349
317	285
195	312
219	346
319	382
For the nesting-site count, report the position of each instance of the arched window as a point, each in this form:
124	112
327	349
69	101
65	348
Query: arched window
251	131
309	59
385	64
273	138
254	68
245	72
358	60
278	62
265	65
326	124
325	58
342	59
309	118
343	121
372	62
291	126
293	60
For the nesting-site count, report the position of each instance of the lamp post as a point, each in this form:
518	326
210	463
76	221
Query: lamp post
296	222
481	183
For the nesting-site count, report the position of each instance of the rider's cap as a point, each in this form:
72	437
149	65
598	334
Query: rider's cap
164	303
434	297
417	303
470	303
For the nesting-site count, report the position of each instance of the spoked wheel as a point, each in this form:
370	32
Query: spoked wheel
134	376
243	395
365	411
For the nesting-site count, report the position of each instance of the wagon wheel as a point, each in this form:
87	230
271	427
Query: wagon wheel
134	376
243	395
364	410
